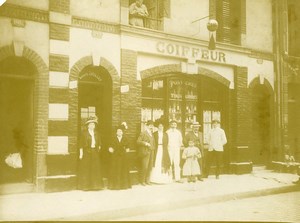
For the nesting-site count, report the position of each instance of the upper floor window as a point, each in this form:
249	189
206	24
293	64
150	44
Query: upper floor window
148	13
228	15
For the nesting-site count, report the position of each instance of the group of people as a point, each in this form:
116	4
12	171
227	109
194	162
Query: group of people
164	156
89	169
163	153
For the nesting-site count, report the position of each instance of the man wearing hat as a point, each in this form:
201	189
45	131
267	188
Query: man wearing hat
146	143
216	141
174	145
196	136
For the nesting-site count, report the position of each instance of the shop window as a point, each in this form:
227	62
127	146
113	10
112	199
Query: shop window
88	112
208	116
183	99
175	100
228	15
153	100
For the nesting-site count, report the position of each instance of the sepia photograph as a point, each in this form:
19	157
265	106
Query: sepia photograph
150	110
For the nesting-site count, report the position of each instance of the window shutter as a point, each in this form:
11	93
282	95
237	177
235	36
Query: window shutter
212	9
243	16
235	21
163	8
229	19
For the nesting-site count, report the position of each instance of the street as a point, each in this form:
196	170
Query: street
277	208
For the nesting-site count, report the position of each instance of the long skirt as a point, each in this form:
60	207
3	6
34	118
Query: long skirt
158	175
89	171
119	172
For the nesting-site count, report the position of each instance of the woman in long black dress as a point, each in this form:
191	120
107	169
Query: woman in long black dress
89	175
119	166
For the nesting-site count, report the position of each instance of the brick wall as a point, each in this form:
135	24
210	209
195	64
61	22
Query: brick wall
130	101
242	111
62	6
59	36
232	123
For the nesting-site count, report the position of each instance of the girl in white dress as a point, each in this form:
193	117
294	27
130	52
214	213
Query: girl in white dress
191	167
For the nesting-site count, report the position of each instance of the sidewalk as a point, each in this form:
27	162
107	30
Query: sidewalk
110	205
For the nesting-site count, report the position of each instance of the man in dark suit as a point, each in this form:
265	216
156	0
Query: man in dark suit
146	148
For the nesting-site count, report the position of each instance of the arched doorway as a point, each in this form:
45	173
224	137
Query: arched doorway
16	117
95	98
261	129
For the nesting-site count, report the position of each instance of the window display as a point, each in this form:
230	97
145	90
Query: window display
178	98
175	100
152	100
191	103
208	116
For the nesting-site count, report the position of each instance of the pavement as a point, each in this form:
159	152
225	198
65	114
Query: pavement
111	205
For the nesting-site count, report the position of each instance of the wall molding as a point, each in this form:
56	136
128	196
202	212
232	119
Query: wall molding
95	25
20	12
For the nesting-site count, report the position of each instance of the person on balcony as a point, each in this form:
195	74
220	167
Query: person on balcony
137	12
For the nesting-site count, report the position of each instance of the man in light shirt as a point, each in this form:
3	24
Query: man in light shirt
174	145
216	141
137	12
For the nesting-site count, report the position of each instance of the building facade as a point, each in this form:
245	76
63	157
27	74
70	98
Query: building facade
287	61
64	60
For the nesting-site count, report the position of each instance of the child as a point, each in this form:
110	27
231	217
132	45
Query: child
191	167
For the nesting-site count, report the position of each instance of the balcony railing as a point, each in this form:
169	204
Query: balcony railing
153	23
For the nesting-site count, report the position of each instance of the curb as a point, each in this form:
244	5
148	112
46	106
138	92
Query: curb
155	208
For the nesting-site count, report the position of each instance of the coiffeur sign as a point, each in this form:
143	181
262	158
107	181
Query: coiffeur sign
190	52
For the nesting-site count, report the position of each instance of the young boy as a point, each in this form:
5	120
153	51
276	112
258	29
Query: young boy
191	167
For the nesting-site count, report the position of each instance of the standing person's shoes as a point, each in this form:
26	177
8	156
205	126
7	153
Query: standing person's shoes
194	179
297	182
179	181
200	178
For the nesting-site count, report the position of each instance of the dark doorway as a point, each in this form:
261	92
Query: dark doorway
261	125
95	98
16	118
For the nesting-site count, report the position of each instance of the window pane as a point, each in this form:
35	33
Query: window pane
175	100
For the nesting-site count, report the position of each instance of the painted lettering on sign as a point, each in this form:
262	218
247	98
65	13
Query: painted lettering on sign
193	52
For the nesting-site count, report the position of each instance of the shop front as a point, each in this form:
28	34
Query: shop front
186	99
182	80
